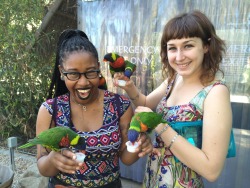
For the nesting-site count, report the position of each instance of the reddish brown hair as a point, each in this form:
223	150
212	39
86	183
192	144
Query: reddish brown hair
194	24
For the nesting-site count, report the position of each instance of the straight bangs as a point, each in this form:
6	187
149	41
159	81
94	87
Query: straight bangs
183	27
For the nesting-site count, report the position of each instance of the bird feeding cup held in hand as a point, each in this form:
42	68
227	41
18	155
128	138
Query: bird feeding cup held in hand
121	82
131	147
80	157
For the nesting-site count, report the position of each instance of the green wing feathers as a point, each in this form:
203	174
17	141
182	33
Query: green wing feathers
151	119
143	122
130	66
54	138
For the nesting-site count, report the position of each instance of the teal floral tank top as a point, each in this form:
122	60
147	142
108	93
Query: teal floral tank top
167	170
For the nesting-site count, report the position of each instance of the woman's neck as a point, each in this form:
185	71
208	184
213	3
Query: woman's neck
87	105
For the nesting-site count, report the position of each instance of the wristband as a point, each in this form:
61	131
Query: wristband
163	130
172	141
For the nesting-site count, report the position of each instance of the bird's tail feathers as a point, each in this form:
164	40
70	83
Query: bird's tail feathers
26	145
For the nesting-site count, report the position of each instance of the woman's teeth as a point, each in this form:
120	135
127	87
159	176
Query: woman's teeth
183	65
84	91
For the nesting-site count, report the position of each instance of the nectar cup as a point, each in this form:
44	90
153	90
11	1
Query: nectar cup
121	82
80	157
130	147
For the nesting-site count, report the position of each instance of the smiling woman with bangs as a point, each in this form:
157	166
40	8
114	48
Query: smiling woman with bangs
193	100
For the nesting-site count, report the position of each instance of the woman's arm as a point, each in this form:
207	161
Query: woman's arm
137	97
50	162
217	124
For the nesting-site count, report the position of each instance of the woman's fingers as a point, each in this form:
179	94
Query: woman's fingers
120	80
145	144
65	161
67	153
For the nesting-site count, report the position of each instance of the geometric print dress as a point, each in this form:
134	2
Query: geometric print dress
101	165
167	171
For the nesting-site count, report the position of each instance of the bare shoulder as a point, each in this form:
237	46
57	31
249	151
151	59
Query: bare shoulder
43	112
219	91
218	101
43	119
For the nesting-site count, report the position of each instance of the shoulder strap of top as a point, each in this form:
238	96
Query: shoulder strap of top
198	100
118	105
54	111
170	86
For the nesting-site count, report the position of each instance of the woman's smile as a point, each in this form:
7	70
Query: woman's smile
83	93
183	65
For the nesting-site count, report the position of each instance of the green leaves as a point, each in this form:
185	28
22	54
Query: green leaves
23	73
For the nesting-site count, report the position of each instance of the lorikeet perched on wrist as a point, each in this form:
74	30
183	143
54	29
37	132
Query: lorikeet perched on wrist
57	138
143	122
117	63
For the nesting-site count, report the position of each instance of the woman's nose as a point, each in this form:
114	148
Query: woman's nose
83	80
179	55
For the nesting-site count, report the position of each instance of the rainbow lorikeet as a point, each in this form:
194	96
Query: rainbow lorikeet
57	138
102	83
143	122
117	63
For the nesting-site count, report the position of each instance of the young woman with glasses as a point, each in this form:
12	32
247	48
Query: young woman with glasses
100	116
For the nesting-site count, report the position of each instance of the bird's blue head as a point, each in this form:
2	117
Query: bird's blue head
81	145
132	135
128	73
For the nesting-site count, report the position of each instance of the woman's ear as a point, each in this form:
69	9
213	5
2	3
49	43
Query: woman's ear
205	49
61	74
60	68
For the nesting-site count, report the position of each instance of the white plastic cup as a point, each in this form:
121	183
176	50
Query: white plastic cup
121	82
131	147
80	157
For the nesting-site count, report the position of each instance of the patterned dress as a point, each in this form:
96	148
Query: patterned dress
101	165
167	171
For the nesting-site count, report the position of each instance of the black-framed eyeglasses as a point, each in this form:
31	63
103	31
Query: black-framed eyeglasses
73	76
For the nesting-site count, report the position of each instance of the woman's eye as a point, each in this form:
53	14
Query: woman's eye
73	73
171	48
189	46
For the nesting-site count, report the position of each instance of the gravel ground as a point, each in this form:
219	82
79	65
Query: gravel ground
22	162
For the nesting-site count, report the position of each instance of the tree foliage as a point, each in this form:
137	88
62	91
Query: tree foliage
24	73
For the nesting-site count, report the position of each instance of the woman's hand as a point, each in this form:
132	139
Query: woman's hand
120	76
142	109
65	161
145	144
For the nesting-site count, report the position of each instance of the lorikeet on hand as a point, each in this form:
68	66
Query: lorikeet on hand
117	63
143	122
57	138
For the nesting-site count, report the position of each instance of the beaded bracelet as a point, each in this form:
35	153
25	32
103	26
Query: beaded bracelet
172	141
163	130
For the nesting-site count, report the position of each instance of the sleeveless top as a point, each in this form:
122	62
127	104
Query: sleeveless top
167	170
101	165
